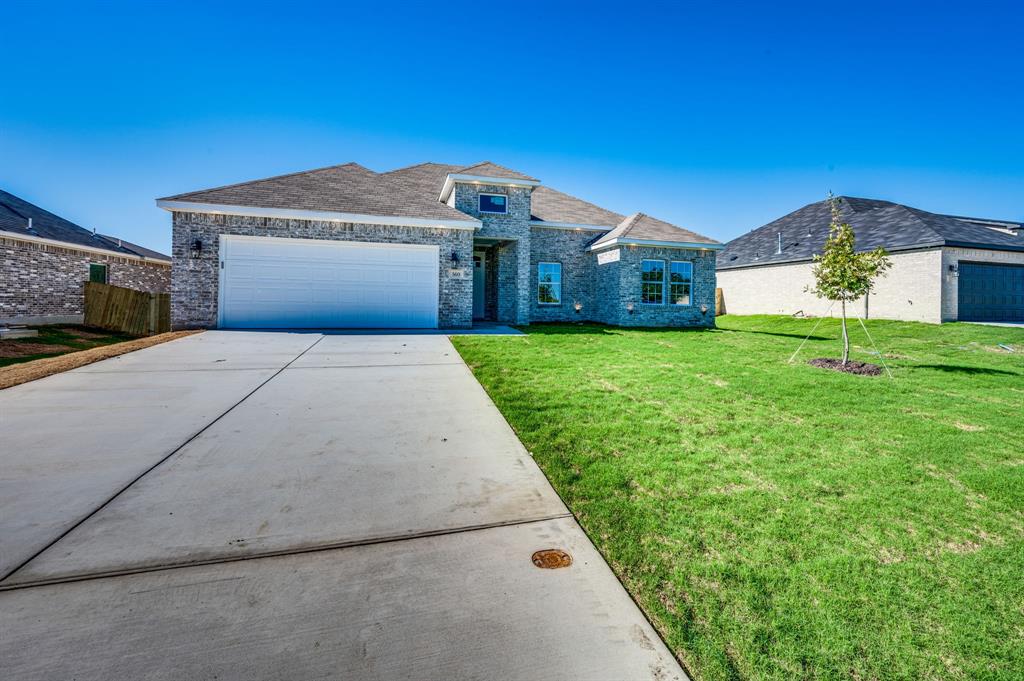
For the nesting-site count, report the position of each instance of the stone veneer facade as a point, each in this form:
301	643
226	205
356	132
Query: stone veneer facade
45	283
195	281
512	247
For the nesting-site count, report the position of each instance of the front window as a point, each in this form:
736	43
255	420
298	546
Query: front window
549	283
652	282
493	203
98	273
680	280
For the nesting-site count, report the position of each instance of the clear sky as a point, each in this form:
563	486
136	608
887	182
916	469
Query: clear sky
715	116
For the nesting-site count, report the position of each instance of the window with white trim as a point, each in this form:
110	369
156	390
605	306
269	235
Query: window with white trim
680	282
493	203
652	282
549	283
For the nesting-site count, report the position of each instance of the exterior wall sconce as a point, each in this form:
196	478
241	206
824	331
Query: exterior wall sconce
629	308
954	270
455	258
703	309
577	306
196	249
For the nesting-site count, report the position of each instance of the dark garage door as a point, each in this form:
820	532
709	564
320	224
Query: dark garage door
991	293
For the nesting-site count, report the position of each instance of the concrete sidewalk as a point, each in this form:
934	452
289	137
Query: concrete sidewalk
275	505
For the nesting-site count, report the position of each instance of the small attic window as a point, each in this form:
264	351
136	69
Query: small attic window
493	203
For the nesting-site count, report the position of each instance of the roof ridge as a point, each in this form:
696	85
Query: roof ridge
916	214
272	177
417	165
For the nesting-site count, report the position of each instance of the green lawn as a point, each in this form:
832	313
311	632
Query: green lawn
780	521
55	340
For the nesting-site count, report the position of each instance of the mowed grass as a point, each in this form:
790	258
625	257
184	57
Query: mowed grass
780	521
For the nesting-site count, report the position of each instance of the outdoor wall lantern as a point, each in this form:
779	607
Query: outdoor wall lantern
954	270
455	258
197	248
703	309
629	308
577	306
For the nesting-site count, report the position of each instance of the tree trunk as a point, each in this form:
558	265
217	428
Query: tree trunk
846	337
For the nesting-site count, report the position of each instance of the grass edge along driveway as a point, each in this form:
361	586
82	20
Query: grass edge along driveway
780	521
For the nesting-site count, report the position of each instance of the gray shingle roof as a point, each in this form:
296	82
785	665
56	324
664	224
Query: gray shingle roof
488	169
645	228
893	226
15	212
409	192
551	205
426	178
347	188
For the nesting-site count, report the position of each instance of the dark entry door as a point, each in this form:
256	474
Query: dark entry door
990	293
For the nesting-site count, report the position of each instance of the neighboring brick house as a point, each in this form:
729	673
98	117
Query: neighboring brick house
47	260
944	268
431	245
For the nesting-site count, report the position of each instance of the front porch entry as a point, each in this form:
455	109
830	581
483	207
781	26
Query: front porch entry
494	262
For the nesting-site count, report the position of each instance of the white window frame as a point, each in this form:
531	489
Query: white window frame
689	281
492	212
559	283
664	277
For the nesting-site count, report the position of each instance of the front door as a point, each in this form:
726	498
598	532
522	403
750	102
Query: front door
479	279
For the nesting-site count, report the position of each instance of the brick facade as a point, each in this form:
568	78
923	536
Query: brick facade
618	287
44	283
569	249
512	247
513	228
195	281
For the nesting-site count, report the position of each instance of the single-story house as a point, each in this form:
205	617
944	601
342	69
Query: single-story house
431	245
47	260
944	267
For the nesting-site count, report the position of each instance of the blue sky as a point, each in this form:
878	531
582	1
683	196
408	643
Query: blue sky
718	117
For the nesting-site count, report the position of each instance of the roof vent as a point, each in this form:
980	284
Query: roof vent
778	247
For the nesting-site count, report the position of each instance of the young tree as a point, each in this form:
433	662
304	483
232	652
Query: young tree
840	273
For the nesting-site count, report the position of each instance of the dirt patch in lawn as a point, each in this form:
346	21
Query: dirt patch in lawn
30	371
851	367
82	333
11	349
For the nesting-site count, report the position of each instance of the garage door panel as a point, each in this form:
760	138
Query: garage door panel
268	282
988	292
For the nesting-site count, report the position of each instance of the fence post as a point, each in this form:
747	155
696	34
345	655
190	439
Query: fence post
152	313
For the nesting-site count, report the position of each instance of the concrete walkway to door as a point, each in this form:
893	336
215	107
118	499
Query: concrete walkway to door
240	505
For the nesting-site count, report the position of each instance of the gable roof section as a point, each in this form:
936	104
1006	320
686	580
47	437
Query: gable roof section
551	205
15	212
488	169
893	226
642	229
348	189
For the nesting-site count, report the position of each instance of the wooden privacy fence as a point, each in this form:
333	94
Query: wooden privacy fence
126	310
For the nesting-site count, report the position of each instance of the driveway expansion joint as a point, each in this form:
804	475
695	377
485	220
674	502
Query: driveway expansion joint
333	546
150	469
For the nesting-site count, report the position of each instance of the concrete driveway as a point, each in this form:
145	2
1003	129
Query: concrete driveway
292	506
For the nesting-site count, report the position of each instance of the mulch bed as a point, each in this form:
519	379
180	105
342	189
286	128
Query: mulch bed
30	371
851	367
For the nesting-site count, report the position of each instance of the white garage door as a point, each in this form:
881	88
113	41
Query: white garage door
266	282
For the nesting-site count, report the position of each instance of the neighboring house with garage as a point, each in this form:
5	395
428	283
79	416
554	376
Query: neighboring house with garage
428	246
46	261
944	267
